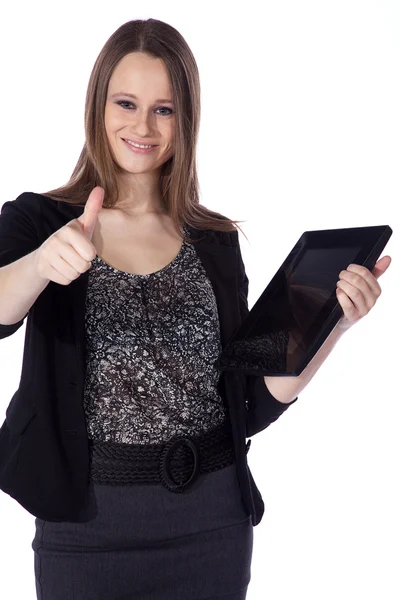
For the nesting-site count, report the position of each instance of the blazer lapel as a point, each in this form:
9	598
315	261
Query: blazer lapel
220	264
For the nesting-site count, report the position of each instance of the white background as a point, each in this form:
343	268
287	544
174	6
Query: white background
300	130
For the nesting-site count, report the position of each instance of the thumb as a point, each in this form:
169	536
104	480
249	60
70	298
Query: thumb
92	208
381	266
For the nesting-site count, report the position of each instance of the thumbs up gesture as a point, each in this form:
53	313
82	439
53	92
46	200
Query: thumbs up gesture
68	252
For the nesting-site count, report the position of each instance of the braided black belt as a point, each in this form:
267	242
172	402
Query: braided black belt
176	463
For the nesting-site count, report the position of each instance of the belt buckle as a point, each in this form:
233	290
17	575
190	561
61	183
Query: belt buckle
166	477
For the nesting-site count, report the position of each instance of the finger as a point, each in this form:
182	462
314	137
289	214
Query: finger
92	208
355	298
348	308
345	301
357	275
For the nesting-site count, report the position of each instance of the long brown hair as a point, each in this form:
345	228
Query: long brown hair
96	166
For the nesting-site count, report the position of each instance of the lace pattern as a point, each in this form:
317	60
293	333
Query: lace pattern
151	346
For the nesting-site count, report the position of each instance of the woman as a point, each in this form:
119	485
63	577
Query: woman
152	335
171	522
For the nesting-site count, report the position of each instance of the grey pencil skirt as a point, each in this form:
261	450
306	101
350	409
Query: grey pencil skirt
149	543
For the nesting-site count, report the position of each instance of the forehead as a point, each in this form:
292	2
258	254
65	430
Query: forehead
141	74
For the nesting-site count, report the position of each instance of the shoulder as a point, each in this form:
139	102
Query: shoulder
20	216
225	238
34	206
27	202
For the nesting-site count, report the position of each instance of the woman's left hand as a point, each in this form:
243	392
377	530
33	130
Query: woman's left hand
358	290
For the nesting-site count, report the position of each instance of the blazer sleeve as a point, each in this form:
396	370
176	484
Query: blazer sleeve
18	237
262	407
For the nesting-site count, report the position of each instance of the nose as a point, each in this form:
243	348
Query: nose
143	121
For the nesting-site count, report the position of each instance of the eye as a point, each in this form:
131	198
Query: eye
121	102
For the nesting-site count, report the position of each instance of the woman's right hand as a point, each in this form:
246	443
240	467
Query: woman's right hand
68	252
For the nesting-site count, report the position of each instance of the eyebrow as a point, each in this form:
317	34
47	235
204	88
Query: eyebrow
136	98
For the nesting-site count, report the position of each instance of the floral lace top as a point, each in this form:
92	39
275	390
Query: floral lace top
151	343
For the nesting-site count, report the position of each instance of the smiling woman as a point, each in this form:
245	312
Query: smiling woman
169	503
146	92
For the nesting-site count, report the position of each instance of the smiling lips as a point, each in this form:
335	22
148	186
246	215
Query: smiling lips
137	142
139	150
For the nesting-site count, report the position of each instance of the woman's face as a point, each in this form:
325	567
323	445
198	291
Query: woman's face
143	119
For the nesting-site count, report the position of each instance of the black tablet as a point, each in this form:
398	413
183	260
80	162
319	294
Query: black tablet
298	309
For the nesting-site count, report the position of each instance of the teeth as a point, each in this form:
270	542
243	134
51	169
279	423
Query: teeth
137	145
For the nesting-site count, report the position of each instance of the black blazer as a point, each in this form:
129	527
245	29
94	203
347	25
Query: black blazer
44	454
